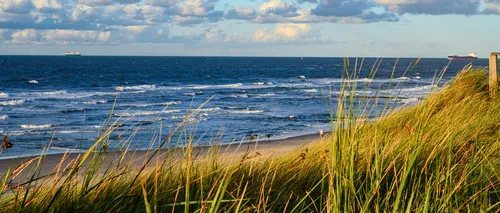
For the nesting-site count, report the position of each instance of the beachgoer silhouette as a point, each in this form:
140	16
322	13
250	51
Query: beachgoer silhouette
6	144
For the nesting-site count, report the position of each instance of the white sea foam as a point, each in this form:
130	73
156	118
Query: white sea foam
416	77
32	126
4	117
94	102
240	96
209	109
33	81
189	94
139	87
4	95
169	103
246	111
11	102
418	89
409	100
144	113
263	83
404	78
310	90
264	95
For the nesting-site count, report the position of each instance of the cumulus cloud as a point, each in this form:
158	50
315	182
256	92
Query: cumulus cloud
278	7
341	8
239	12
432	7
492	6
105	2
281	33
16	6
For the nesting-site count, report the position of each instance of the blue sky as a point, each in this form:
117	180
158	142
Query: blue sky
389	28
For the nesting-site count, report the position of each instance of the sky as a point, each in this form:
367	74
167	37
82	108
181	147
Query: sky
298	28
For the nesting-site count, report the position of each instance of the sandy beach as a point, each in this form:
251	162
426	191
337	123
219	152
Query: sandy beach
49	164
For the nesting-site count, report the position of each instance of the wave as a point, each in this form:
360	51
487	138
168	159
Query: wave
418	89
410	100
404	78
264	95
209	109
245	111
310	90
144	113
32	126
4	95
169	103
33	81
12	102
139	87
94	102
263	83
4	117
239	96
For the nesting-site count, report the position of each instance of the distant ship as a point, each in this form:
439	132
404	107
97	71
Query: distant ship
472	56
72	54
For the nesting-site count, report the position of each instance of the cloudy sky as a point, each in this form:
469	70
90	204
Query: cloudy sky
405	28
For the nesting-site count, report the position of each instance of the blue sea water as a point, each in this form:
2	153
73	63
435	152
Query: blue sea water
65	101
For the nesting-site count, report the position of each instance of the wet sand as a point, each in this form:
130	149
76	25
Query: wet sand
233	152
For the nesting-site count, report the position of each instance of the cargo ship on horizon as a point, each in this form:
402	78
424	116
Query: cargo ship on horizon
472	56
72	54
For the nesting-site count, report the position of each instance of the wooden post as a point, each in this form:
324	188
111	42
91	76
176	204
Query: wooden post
493	74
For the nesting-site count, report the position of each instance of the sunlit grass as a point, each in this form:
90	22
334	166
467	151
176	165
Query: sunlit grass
441	155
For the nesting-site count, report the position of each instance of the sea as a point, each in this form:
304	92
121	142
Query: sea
65	103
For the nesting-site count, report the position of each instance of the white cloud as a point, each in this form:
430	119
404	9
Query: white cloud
16	6
47	5
26	36
281	33
277	7
432	7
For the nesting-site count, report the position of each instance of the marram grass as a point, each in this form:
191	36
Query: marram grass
441	155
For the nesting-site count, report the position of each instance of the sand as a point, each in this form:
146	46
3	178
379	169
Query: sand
54	162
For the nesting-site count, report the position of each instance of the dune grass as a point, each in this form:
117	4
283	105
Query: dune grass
441	155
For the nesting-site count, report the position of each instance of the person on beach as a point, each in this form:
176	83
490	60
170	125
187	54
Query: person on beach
5	143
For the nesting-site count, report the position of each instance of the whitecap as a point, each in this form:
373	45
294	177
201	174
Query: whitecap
410	100
246	111
33	81
11	102
240	96
169	103
139	87
263	83
416	77
404	78
209	109
94	102
264	95
310	90
32	126
4	117
4	95
144	113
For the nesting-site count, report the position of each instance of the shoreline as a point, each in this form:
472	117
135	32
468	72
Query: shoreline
51	162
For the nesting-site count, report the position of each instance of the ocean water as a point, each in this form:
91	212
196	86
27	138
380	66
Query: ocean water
65	101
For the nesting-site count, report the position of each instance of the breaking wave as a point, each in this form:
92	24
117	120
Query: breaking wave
11	102
139	87
32	126
4	117
4	95
143	113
